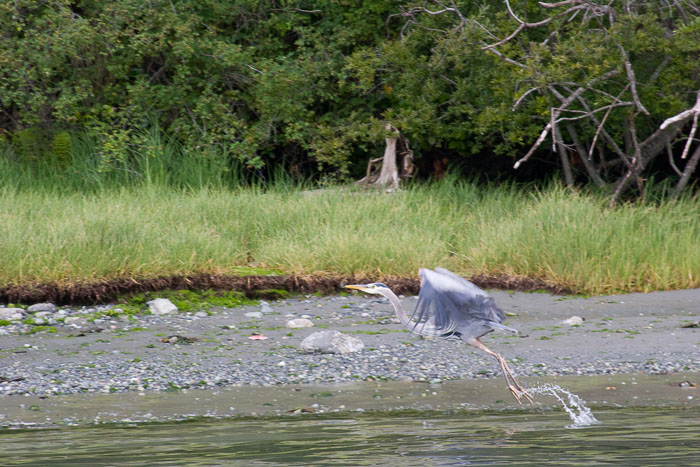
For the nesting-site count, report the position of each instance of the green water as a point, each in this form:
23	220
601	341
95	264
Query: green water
626	436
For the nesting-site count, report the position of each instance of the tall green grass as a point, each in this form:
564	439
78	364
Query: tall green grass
150	158
66	236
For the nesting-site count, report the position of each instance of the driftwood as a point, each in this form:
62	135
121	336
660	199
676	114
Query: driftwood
396	164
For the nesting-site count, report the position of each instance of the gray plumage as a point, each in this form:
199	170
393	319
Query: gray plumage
449	305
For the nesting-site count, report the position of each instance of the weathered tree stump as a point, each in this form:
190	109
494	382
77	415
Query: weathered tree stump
396	164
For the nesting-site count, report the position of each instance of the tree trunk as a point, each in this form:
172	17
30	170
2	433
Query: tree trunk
396	164
389	175
564	155
583	155
687	172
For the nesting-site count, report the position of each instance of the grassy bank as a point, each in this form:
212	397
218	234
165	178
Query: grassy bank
572	239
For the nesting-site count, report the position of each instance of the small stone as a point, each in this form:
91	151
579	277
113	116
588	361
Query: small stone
573	321
331	342
161	306
254	314
75	320
49	307
39	321
11	313
299	323
201	314
42	314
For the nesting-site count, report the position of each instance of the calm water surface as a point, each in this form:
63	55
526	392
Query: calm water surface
625	436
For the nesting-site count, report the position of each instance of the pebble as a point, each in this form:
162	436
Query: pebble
299	323
75	320
573	321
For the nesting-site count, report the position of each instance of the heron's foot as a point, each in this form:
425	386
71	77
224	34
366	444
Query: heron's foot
515	388
519	392
522	391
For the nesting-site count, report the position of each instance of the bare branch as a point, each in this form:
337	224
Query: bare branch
587	114
508	60
524	25
632	81
254	69
592	172
691	136
620	187
555	114
445	9
687	172
669	152
600	126
608	139
511	36
685	115
558	4
510	10
525	94
655	75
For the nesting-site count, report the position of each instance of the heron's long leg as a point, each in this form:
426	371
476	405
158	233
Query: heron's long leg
515	388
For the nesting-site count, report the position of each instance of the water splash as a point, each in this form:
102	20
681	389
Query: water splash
575	407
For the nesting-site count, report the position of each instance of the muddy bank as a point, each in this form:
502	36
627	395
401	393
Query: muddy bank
628	390
253	286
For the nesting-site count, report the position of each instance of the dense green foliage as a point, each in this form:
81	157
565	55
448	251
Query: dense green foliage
557	235
307	85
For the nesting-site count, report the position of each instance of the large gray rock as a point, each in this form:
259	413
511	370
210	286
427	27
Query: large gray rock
161	306
12	314
331	342
39	307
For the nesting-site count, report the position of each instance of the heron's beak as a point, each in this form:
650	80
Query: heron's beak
362	288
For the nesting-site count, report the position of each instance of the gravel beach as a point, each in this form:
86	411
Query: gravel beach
635	333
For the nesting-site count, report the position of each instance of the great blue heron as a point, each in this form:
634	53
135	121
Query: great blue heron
450	306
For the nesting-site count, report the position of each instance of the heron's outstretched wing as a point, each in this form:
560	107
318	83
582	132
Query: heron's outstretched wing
447	300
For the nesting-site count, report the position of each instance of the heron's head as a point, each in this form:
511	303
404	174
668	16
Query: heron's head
375	288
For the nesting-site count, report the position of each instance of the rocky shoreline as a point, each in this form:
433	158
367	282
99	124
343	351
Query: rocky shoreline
66	350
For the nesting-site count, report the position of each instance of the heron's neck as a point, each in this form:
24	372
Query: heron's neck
398	308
